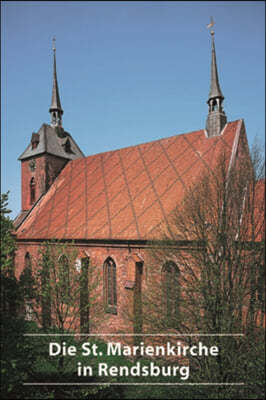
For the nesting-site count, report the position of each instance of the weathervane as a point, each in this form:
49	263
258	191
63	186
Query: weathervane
54	48
210	25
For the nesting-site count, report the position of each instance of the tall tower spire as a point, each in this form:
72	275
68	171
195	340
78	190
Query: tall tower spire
216	119
55	108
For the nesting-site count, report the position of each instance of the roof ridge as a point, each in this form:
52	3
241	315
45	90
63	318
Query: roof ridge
150	142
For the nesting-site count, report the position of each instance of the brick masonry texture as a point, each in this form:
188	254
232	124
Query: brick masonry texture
125	195
47	168
110	323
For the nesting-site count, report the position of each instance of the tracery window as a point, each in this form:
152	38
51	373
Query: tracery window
171	293
110	298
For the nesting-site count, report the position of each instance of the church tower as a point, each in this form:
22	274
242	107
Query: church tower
49	150
216	119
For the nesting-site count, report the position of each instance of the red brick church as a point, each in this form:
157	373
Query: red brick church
112	204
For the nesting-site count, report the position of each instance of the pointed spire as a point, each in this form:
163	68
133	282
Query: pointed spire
55	108
215	90
216	117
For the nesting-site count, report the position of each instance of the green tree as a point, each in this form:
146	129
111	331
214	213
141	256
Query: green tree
9	302
61	290
7	239
215	239
17	355
65	289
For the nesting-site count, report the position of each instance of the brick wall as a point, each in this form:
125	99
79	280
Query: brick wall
47	168
109	323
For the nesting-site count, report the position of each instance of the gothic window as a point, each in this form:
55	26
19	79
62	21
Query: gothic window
27	261
260	286
84	295
32	190
109	271
46	293
26	282
137	299
64	279
26	277
171	293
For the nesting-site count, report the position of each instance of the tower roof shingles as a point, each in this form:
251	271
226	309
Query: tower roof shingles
52	141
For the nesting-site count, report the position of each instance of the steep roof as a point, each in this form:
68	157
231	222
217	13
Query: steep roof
125	194
52	140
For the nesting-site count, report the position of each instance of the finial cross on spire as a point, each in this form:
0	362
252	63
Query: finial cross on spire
210	25
54	48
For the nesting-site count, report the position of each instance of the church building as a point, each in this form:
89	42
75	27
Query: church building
111	205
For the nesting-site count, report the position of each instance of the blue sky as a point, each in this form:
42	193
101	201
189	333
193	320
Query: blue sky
128	72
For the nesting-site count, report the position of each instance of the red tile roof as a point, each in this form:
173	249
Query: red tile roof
126	193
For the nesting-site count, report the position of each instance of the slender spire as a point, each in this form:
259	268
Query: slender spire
216	117
215	90
55	108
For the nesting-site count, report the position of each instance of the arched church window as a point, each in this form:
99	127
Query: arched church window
64	278
84	294
27	261
110	298
32	190
26	277
26	282
46	291
171	293
260	272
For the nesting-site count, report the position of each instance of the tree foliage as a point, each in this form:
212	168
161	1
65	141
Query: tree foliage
17	356
216	239
62	288
7	239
